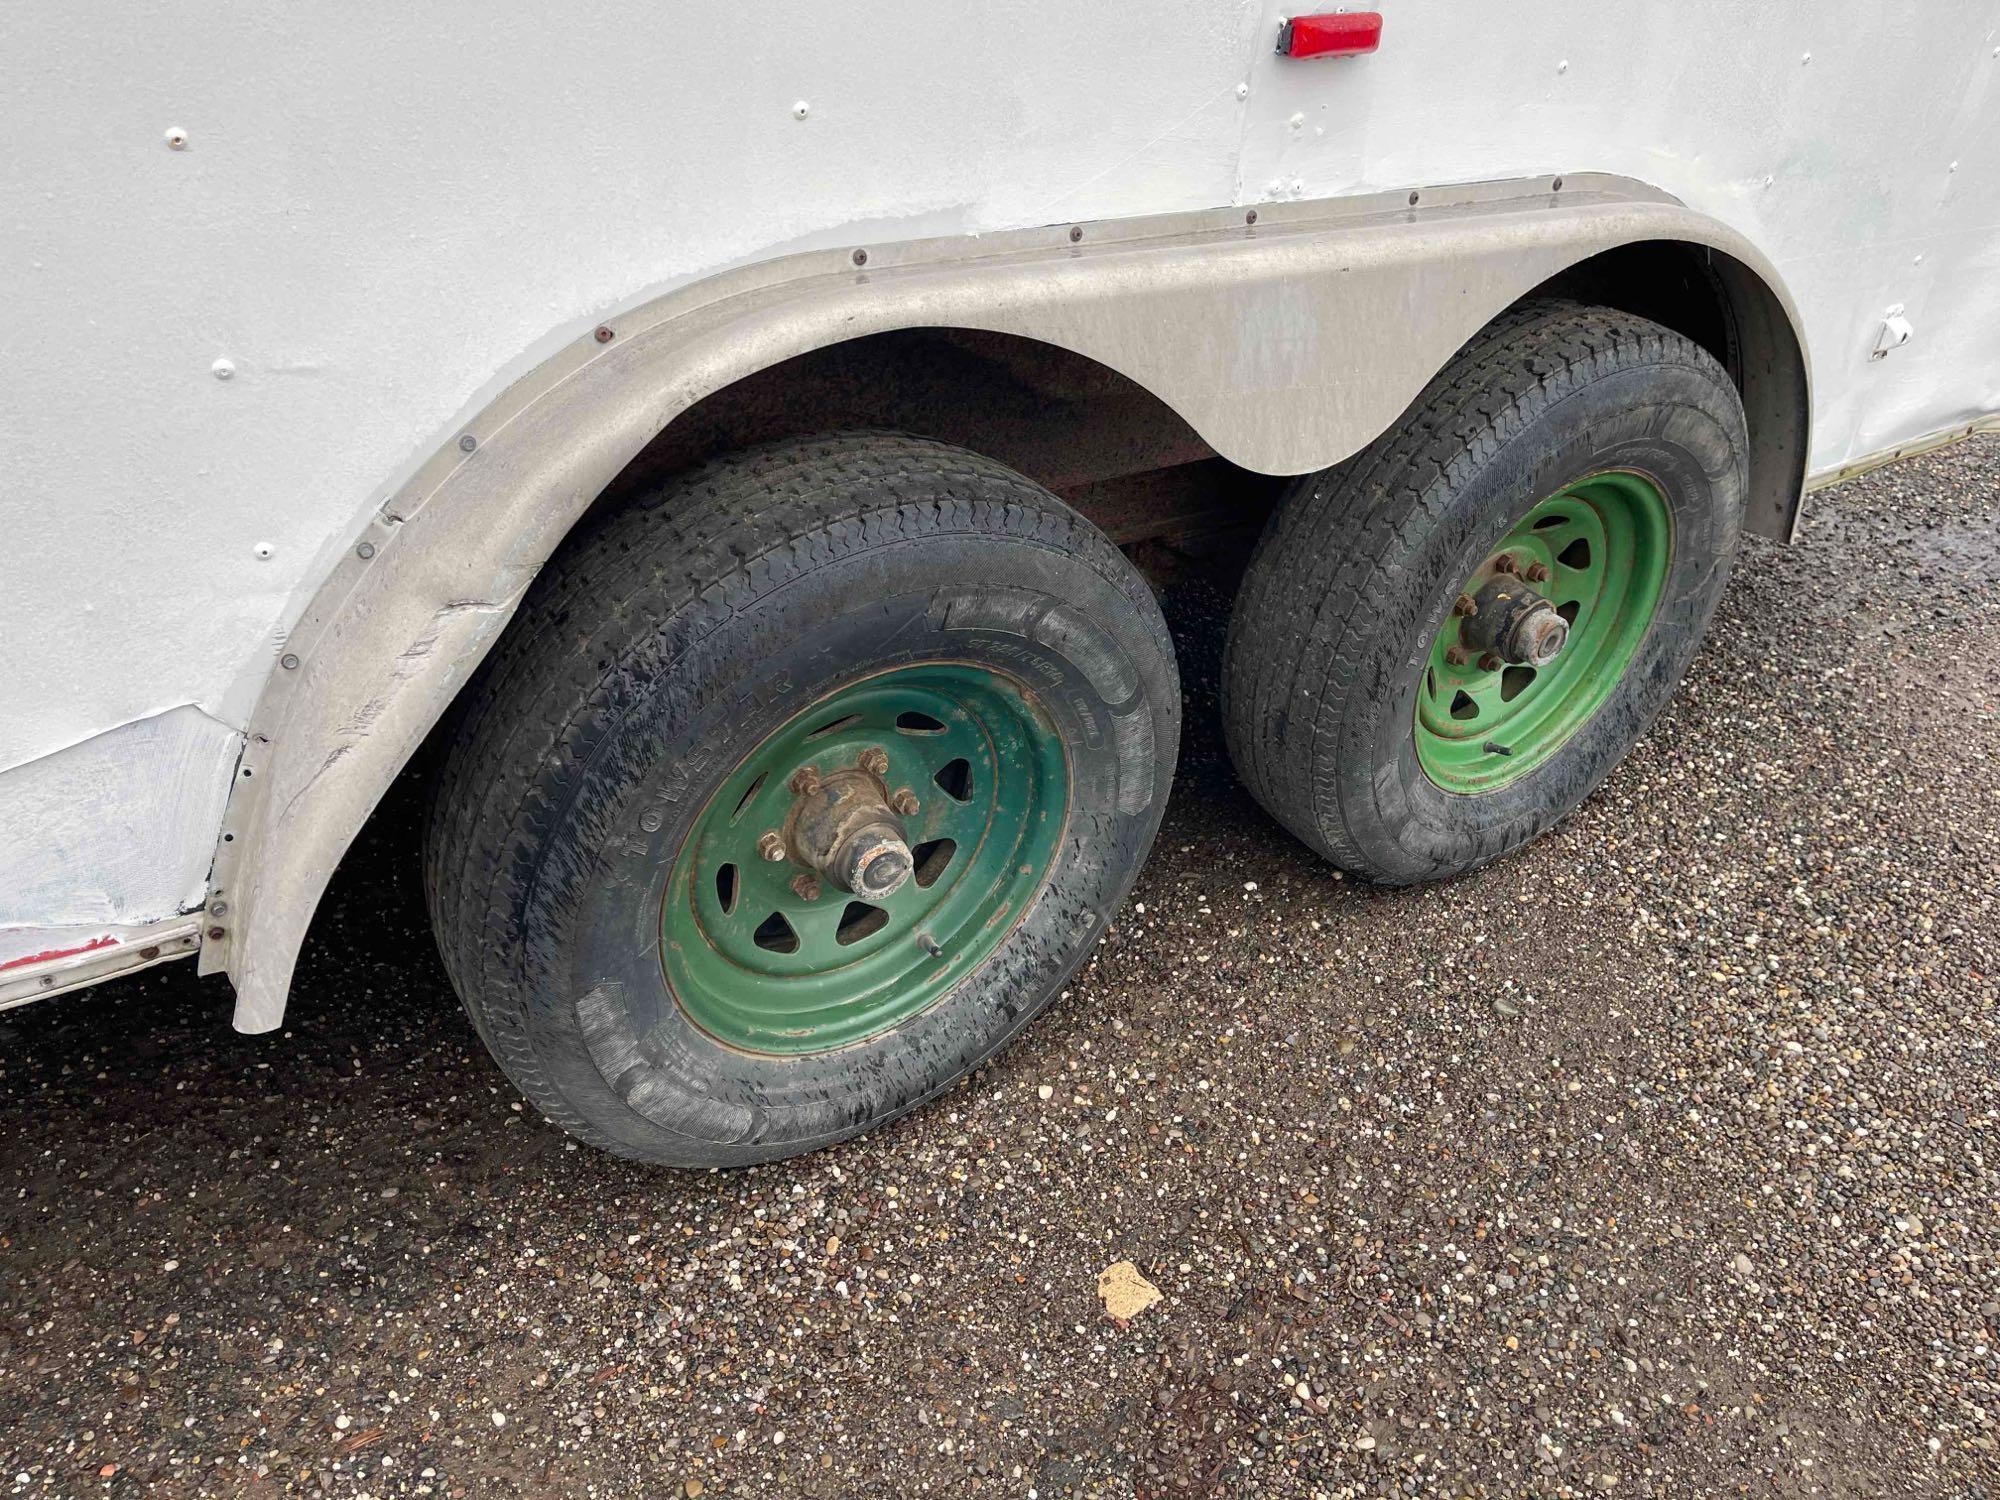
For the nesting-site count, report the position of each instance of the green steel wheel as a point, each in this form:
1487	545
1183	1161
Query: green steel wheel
958	784
794	792
1500	696
1447	642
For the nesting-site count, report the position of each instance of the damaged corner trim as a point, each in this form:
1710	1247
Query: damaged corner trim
1281	342
98	958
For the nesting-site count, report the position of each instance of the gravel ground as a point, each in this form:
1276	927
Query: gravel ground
1653	1161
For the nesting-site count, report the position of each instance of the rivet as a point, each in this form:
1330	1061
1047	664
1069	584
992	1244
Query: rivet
801	109
861	257
1556	186
1413	199
218	908
467	443
177	139
1563	66
1806	59
1243	91
1075	233
1250	217
365	551
264	552
603	334
217	933
289	662
223	369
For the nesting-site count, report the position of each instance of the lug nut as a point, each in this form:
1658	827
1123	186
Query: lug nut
1492	661
1456	656
1537	572
806	887
1464	605
1504	563
805	780
772	846
905	802
875	761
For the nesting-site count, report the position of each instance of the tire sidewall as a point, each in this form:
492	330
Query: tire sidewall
1669	423
609	1031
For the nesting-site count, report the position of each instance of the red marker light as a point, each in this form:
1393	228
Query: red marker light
1346	35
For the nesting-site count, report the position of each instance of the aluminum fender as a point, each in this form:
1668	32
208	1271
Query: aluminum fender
1288	336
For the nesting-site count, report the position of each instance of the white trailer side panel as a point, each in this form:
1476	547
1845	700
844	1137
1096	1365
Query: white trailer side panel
380	215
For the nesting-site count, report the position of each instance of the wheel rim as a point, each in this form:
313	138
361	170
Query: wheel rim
1597	551
770	954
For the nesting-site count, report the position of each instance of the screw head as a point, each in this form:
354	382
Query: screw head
1537	572
289	662
216	933
905	802
218	908
806	887
1504	563
861	257
1464	606
772	846
1456	656
603	334
805	781
1492	661
365	551
467	443
875	761
1075	233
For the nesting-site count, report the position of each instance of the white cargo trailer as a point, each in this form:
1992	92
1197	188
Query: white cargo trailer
716	426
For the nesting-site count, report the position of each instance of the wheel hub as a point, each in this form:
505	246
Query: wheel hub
844	830
1512	621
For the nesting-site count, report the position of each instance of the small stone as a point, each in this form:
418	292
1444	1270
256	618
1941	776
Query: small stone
499	1419
1365	1443
1045	1092
1742	1265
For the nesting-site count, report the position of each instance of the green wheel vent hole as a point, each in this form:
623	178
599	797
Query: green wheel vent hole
769	955
955	780
931	860
858	921
1598	550
776	934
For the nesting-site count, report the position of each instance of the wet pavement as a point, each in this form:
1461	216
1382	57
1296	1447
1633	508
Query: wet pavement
1657	1160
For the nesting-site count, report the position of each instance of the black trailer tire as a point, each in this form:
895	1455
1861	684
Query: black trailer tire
661	650
1360	570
